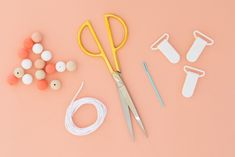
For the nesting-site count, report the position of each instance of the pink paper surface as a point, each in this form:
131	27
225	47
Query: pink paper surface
32	121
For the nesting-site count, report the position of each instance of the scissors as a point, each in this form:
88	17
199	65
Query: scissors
125	98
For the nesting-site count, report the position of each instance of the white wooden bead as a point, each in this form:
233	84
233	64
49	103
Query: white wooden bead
71	66
19	72
37	48
55	84
26	64
27	79
40	75
46	55
60	66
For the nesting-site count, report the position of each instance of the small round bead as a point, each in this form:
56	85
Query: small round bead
50	68
12	80
36	37
26	64
46	55
42	84
19	72
60	66
23	53
37	48
39	64
40	75
27	79
28	43
55	84
71	66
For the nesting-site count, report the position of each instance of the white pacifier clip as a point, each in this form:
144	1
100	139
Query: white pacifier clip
191	80
166	48
75	105
199	44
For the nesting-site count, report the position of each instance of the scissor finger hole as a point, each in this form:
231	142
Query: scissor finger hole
89	41
117	31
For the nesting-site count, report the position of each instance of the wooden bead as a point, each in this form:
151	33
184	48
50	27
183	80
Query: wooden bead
28	43
26	64
42	84
40	75
71	66
23	53
39	64
50	68
46	55
55	84
60	66
27	79
12	80
18	72
36	37
37	48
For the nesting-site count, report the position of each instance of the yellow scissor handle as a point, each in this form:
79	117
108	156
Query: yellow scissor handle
110	36
101	52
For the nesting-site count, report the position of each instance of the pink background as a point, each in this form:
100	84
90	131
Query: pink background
32	121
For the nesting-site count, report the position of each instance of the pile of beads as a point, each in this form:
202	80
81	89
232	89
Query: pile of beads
43	65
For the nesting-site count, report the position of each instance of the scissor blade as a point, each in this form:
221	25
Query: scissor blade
129	102
127	115
126	99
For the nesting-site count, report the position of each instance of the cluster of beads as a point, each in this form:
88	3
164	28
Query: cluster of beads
43	65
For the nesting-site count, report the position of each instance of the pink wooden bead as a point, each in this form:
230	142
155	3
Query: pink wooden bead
28	43
23	53
42	84
50	68
12	80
